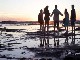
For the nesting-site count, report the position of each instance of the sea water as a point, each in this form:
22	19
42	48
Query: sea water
20	41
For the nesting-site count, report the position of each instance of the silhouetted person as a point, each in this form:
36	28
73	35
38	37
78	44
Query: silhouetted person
56	13
46	18
40	19
73	19
73	16
66	22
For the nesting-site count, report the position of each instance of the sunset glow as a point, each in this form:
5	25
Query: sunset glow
27	10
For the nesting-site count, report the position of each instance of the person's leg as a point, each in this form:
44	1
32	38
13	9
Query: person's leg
58	31
54	33
45	25
40	27
58	25
40	42
54	25
72	29
48	27
57	43
48	41
67	34
65	27
74	32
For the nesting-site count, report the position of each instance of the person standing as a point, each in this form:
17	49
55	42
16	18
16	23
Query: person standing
73	16
40	20
46	18
56	13
66	22
73	19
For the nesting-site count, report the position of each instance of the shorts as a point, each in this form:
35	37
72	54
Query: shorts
56	23
46	20
72	22
42	22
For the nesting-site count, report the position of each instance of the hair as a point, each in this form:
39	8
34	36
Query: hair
55	6
41	10
66	11
72	6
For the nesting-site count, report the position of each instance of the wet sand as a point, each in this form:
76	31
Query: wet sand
15	44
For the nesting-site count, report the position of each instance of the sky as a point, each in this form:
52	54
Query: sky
28	10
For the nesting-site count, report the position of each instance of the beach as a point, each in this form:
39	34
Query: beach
14	44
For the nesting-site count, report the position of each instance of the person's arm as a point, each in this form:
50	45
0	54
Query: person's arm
52	13
75	14
60	13
71	15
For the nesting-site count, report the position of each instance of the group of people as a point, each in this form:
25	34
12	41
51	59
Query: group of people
44	22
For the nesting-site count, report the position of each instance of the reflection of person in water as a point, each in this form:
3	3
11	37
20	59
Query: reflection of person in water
46	18
40	19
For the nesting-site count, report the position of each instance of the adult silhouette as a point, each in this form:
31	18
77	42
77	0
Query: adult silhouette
40	20
46	18
56	13
73	16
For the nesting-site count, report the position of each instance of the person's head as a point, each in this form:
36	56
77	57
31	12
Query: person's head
41	11
65	10
55	6
47	6
72	6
